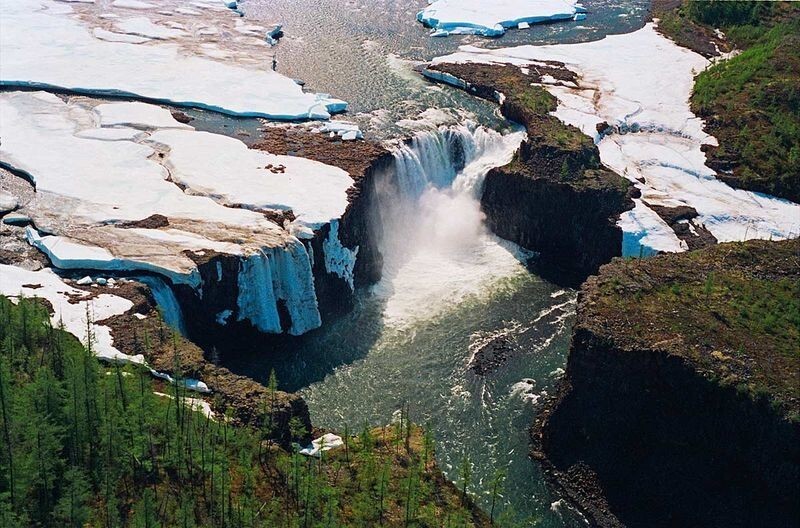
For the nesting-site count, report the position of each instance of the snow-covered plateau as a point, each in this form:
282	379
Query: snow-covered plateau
640	83
125	187
161	52
491	19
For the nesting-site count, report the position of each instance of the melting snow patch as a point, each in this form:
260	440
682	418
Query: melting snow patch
640	83
316	193
195	404
132	4
16	282
41	136
325	442
43	45
137	115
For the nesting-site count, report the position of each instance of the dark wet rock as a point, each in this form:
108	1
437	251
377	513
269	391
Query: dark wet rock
155	221
603	128
681	220
678	408
180	117
490	356
554	198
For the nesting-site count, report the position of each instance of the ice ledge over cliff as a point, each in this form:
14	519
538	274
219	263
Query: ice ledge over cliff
162	196
492	18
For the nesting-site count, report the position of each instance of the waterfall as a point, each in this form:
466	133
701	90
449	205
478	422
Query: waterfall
339	260
454	156
435	245
167	302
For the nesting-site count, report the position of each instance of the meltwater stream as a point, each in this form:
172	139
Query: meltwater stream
449	287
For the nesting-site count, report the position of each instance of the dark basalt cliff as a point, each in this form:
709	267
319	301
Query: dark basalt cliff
555	197
681	402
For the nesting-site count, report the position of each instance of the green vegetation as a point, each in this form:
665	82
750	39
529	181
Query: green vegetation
750	102
535	98
82	445
733	309
537	103
727	12
740	304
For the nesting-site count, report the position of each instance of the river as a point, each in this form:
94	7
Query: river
449	285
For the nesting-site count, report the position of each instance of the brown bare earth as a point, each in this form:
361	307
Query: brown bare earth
241	398
686	32
355	157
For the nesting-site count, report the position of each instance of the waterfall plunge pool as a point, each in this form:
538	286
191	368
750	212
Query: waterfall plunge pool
449	288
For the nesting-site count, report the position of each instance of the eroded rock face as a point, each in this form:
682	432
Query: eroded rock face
554	198
359	227
572	227
681	413
244	400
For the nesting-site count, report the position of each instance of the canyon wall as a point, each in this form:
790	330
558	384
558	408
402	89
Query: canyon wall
554	198
682	413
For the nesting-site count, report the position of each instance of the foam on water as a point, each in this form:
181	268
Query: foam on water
435	244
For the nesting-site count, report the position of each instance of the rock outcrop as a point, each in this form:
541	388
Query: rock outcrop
555	197
142	331
680	405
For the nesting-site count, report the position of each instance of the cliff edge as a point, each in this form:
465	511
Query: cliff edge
681	402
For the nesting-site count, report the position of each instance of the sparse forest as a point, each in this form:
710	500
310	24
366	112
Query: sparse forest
87	444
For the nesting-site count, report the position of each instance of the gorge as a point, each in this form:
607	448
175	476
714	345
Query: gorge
429	257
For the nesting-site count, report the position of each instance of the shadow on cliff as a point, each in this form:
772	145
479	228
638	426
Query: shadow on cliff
300	361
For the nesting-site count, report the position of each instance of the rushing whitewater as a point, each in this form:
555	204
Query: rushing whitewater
436	247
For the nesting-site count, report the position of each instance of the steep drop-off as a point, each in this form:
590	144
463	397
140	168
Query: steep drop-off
555	197
680	404
359	227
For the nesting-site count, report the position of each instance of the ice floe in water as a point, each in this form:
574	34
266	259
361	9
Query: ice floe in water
48	44
492	18
640	84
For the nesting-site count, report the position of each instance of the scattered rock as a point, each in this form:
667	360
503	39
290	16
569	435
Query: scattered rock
180	117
